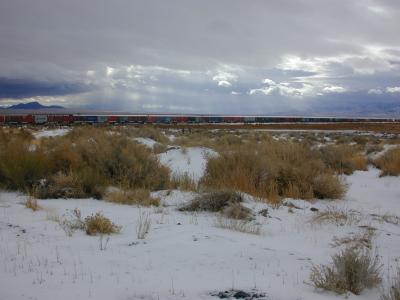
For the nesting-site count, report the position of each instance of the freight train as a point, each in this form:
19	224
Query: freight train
69	119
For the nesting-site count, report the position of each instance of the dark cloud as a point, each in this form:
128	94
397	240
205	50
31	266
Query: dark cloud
20	88
199	55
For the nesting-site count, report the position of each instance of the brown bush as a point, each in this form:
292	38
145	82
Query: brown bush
99	224
215	201
351	271
184	182
132	197
272	170
32	204
20	165
394	291
389	162
79	164
343	158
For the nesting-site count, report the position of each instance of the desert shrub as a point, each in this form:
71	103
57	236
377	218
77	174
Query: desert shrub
132	197
373	148
99	224
351	271
271	170
237	211
78	164
159	148
394	291
184	182
389	162
60	185
143	226
20	166
225	202
328	187
338	216
32	204
71	222
343	158
215	201
243	226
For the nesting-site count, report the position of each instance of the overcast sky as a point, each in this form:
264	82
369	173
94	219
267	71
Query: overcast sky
211	56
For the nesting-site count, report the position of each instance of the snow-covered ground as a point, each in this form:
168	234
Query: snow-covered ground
51	132
191	161
185	256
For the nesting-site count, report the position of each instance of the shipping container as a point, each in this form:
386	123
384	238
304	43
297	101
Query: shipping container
122	119
40	119
102	119
60	119
112	119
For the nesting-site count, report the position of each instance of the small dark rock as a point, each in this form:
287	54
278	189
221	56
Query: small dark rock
264	212
179	223
241	295
314	209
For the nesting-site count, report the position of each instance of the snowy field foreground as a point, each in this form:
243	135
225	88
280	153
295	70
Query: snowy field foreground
185	255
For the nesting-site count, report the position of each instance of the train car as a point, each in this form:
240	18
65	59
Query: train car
40	119
28	119
112	119
102	119
85	119
163	120
179	119
249	120
122	119
234	119
13	119
137	119
215	119
60	119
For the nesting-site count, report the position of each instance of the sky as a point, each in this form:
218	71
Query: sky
311	57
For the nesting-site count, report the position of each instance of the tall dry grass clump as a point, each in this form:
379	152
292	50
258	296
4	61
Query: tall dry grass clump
228	203
99	224
272	170
344	159
389	162
394	291
351	271
80	164
140	197
20	164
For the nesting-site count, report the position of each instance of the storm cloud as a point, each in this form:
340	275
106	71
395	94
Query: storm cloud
225	56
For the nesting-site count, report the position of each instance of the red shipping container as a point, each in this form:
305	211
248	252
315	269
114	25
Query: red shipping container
112	119
28	119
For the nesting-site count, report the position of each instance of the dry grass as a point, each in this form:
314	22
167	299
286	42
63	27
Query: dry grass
351	271
184	182
99	224
273	169
343	158
355	241
237	211
32	203
140	197
225	202
143	226
335	215
213	201
394	291
79	164
389	162
243	226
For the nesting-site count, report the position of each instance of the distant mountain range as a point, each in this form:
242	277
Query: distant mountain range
34	105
